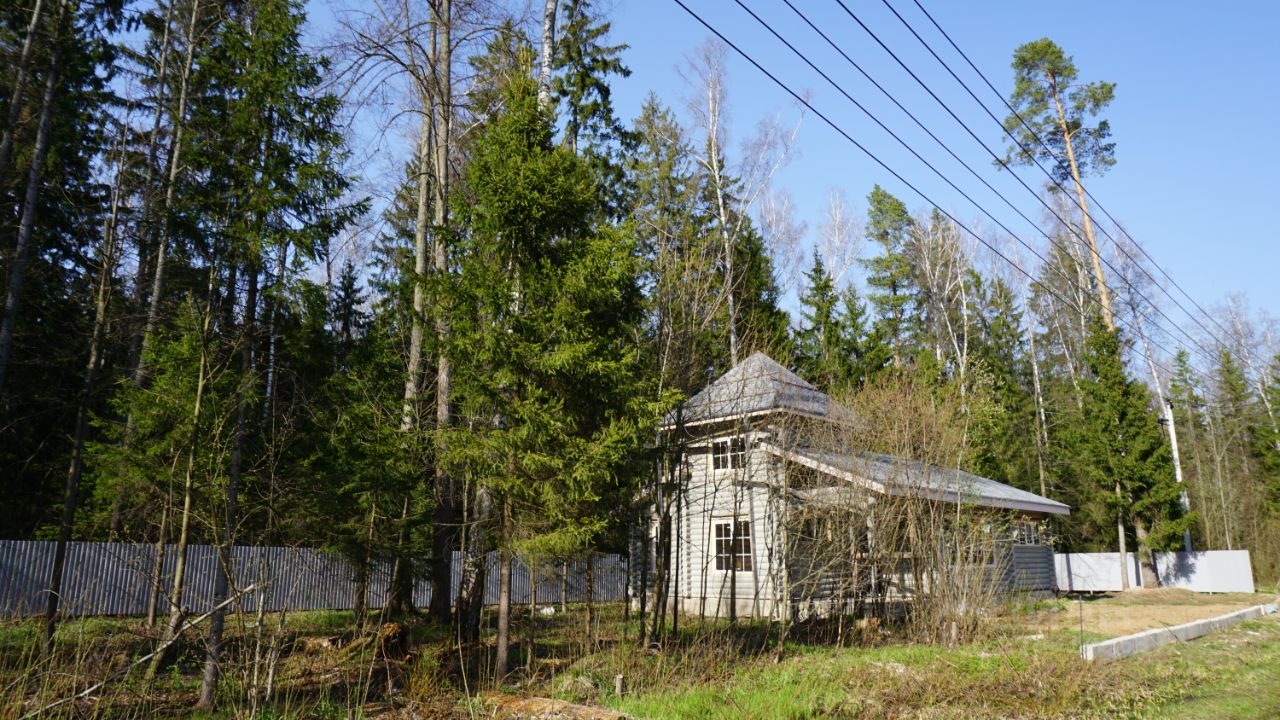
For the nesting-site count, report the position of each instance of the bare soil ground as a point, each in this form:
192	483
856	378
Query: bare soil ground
1113	615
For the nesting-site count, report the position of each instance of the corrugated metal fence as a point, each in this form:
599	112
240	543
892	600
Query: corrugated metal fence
116	578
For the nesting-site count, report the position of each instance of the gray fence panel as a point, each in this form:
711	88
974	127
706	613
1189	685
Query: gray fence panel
116	579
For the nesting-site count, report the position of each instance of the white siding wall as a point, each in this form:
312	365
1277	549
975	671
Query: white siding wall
718	496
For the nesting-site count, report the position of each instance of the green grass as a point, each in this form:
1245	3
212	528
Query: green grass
1234	674
1240	670
710	670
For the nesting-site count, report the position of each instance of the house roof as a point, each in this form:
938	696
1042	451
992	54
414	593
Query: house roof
758	385
900	476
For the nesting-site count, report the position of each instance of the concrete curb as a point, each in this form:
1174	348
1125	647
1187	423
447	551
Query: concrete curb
1123	647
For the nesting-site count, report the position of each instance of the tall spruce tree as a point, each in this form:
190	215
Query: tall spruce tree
819	355
890	275
1121	455
548	390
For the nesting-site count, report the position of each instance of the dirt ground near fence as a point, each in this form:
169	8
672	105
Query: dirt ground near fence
1116	614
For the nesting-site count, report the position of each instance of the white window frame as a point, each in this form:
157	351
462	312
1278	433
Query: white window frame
1027	532
732	546
729	453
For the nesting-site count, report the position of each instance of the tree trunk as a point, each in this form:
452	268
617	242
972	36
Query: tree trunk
157	563
273	341
1146	559
590	596
1104	295
1041	425
443	538
400	592
502	664
162	239
564	586
71	494
533	614
188	493
472	589
1124	555
225	575
400	598
413	370
364	567
18	88
26	226
547	53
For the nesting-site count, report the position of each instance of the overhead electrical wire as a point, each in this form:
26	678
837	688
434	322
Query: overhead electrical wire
875	158
1136	328
1050	150
949	151
925	86
1052	153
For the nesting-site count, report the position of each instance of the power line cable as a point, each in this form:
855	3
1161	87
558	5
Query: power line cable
942	144
994	156
1052	153
875	158
1137	328
1055	156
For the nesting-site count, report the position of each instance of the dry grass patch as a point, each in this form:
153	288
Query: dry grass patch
1125	613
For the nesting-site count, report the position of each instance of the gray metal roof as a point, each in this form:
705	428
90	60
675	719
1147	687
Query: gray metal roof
758	385
900	476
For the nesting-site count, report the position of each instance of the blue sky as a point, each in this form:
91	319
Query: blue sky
1194	118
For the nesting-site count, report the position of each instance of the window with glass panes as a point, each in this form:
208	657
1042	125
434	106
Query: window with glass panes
728	454
733	545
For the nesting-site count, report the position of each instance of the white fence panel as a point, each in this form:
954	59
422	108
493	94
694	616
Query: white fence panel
1203	571
1093	572
1206	571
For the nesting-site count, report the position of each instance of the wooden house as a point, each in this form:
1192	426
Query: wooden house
763	461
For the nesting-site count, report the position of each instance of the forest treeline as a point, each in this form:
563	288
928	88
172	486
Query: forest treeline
213	333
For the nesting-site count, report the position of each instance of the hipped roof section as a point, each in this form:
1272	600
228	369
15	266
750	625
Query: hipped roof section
757	386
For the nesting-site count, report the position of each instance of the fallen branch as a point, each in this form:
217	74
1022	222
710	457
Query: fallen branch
120	672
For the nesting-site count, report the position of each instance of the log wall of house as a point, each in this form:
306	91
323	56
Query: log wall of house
1030	569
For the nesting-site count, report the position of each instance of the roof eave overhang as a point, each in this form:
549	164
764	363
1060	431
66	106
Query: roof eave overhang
739	417
1049	507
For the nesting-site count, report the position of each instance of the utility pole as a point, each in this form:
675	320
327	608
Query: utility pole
1177	468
